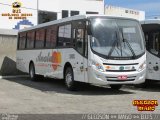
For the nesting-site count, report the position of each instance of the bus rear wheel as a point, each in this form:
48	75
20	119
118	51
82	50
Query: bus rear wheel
115	87
69	79
32	72
33	75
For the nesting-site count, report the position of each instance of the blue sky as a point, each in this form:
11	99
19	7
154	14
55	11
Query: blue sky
151	7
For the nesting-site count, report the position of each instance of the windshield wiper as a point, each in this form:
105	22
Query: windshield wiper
131	49
114	45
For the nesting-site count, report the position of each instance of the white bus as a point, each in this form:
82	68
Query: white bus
151	30
99	50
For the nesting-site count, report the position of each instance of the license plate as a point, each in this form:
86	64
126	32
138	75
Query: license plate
122	77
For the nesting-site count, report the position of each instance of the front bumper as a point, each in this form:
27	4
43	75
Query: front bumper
109	78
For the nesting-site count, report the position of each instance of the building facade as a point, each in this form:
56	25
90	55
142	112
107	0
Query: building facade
18	14
124	12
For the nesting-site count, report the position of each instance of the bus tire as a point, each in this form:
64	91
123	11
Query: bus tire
115	87
32	72
69	79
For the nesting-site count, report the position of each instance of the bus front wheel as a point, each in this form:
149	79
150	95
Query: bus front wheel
115	87
69	79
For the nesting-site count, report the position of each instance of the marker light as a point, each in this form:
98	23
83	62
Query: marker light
108	67
142	66
97	66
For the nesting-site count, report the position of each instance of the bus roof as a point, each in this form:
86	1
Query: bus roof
151	21
76	17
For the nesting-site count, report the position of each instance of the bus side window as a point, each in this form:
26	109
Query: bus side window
64	36
51	37
86	44
40	36
30	39
78	35
154	45
80	39
74	37
22	41
147	41
159	44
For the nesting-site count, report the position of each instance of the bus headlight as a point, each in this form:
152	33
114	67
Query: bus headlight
97	66
142	66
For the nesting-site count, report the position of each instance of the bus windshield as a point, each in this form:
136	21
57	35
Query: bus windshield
116	38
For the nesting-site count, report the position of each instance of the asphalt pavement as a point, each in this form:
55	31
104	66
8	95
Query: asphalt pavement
49	96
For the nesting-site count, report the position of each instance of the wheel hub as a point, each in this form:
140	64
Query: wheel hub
69	79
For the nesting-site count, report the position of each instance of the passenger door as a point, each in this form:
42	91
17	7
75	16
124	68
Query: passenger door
80	42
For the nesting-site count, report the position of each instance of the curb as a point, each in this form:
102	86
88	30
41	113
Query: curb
17	76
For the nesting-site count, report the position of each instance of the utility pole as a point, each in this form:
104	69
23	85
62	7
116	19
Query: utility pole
37	11
104	6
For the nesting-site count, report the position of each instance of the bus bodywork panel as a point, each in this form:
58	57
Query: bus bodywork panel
50	63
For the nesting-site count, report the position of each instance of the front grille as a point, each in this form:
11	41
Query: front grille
120	70
120	64
120	80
